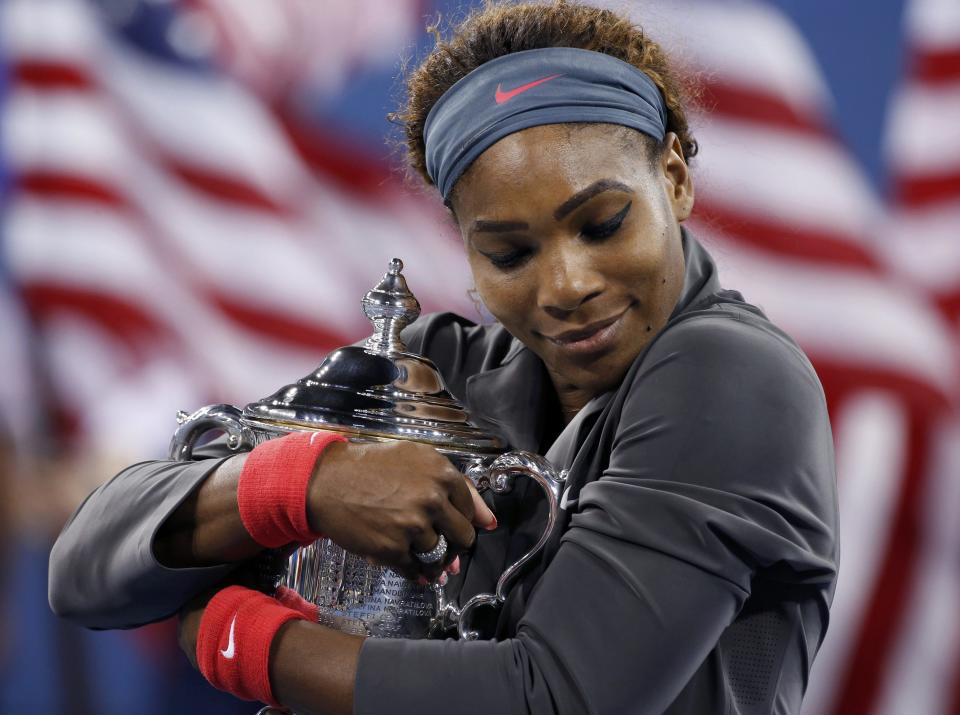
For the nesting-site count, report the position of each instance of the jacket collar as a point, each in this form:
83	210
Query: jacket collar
699	275
509	398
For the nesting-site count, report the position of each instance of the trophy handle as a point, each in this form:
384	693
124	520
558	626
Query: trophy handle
212	417
500	476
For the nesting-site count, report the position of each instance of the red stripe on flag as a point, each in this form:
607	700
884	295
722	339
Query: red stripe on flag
949	303
224	188
770	235
925	189
64	422
51	75
842	379
56	185
749	104
277	326
131	324
937	66
862	682
953	690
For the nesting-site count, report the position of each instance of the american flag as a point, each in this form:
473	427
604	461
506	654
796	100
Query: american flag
178	236
187	224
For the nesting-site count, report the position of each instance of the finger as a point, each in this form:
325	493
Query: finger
424	540
483	516
402	563
459	531
433	570
188	628
454	568
461	498
411	573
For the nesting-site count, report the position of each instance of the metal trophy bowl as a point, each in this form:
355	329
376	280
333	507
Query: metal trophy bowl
379	391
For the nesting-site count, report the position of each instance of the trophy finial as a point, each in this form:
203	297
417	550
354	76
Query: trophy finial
391	307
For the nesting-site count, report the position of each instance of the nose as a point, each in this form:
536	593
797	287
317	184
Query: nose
568	280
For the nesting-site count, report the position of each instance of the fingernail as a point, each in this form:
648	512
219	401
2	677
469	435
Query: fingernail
443	579
454	567
423	581
493	524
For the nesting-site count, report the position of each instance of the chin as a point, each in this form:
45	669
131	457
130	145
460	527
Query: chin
599	377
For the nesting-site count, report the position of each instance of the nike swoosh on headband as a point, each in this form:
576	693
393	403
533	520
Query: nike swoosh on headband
500	96
231	645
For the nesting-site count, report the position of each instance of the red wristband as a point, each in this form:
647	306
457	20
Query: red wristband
233	643
272	491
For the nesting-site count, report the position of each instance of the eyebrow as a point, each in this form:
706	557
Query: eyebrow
597	187
500	226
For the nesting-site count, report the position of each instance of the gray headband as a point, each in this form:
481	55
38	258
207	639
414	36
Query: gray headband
553	85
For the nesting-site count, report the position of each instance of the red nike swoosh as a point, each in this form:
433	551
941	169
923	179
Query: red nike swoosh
502	96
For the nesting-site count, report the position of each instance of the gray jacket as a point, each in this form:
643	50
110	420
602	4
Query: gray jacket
695	561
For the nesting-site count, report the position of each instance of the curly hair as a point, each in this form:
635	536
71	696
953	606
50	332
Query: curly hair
499	29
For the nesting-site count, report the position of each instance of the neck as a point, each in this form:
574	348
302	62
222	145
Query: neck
572	399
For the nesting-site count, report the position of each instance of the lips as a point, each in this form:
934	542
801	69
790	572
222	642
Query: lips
592	338
573	336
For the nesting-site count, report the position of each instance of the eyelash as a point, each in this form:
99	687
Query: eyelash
596	232
608	227
508	260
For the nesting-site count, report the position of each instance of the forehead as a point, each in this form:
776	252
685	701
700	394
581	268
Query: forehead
549	163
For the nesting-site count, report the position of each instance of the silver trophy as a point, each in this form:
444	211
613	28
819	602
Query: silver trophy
374	392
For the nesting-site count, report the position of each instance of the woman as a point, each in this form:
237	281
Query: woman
696	556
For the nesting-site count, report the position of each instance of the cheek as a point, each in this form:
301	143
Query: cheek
503	296
640	262
660	273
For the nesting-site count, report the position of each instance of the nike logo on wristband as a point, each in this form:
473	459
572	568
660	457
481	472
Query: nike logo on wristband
500	96
231	645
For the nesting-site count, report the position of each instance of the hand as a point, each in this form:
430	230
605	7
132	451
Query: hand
386	500
188	624
247	575
277	637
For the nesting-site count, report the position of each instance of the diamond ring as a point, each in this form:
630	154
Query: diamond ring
433	555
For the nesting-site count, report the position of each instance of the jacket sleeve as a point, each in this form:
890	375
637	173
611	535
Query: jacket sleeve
103	572
721	471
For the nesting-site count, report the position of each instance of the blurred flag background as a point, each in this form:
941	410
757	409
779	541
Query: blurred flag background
196	194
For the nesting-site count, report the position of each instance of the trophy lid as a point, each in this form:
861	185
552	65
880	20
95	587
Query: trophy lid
380	389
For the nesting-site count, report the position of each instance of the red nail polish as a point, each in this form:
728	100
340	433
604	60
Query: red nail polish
443	579
423	581
454	566
492	525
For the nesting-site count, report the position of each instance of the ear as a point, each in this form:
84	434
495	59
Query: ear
676	177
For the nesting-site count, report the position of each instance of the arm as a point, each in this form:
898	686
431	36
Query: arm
160	532
587	644
721	468
206	529
104	571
